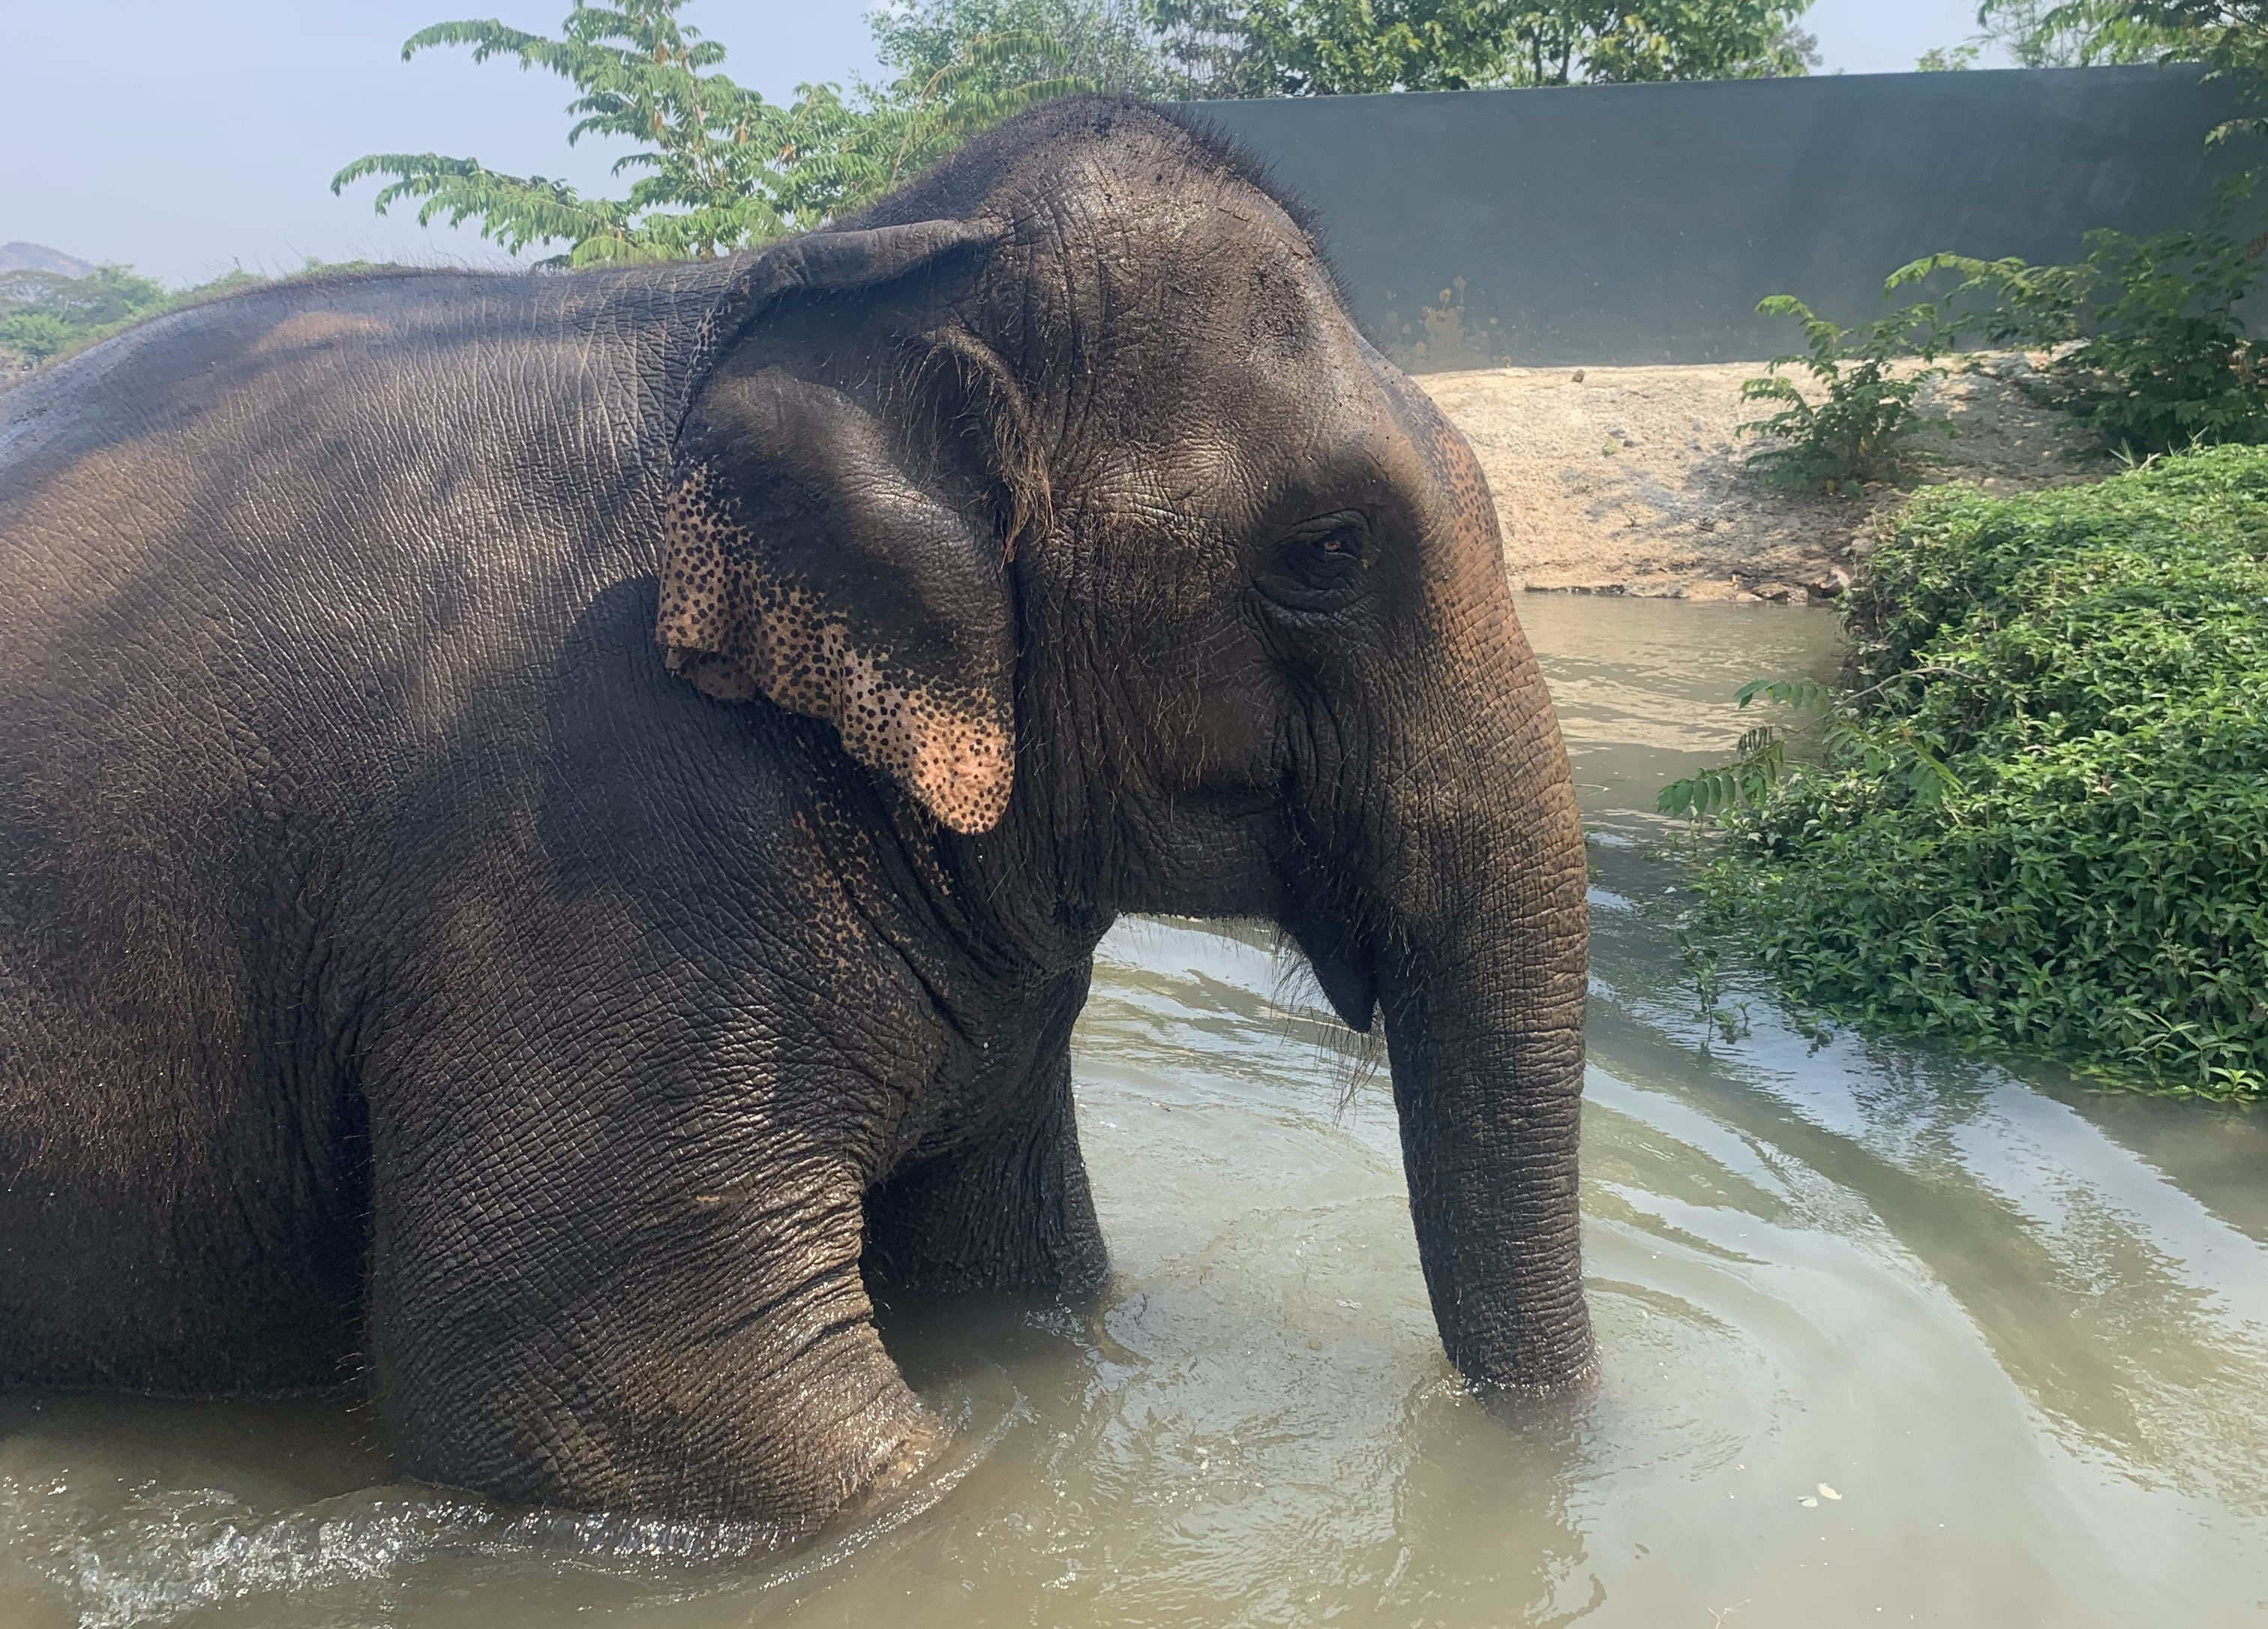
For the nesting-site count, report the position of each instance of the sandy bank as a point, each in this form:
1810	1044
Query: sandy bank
1630	479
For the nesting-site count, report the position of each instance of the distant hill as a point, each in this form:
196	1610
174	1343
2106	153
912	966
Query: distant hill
20	256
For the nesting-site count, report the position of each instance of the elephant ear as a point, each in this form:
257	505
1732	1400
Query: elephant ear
809	555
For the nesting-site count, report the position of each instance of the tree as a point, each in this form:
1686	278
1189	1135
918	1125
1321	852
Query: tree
106	295
713	176
959	67
2085	34
1200	44
1103	44
1325	48
722	168
45	315
1306	48
1701	39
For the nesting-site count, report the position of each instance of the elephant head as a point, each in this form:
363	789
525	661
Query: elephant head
1062	486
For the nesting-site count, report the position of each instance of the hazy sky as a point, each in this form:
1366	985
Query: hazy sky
179	139
1884	36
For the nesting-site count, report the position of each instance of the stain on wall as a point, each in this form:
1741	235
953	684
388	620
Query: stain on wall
1434	338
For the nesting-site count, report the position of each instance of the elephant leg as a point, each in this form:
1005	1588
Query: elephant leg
1009	1210
616	1314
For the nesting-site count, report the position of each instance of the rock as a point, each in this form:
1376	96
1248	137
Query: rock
1578	376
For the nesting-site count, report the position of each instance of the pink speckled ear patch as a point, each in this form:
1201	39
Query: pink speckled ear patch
732	628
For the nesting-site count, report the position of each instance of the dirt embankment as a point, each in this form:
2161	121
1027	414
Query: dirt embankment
1631	480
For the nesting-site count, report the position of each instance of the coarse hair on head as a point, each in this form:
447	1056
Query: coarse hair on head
988	166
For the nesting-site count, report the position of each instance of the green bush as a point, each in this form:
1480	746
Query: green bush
44	314
34	335
2146	345
2041	825
1862	426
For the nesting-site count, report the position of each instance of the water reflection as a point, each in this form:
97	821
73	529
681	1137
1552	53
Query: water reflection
1889	1336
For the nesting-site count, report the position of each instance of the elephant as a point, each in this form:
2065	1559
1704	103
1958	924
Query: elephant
554	826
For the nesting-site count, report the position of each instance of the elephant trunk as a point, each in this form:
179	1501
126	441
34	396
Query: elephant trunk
1482	978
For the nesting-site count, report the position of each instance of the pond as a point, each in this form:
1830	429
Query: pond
1888	1336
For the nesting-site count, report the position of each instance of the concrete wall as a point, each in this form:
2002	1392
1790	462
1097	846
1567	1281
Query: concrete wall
1642	223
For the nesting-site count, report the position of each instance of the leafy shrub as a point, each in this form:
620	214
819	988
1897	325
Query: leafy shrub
2146	346
34	337
2041	824
45	314
1860	432
1892	746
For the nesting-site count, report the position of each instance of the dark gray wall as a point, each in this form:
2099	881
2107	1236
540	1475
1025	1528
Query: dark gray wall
1642	223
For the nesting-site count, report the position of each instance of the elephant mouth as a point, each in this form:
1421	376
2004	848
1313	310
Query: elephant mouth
1345	964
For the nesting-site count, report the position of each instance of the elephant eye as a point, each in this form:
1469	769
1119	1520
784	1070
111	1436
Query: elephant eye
1319	564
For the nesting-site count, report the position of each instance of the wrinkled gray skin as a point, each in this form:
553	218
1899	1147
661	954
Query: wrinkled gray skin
405	973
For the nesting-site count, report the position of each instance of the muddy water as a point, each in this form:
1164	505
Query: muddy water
1889	1337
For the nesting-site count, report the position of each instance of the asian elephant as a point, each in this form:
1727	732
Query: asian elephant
552	828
